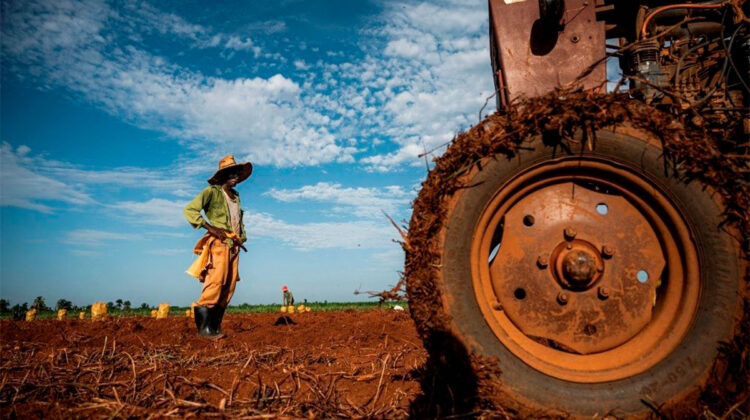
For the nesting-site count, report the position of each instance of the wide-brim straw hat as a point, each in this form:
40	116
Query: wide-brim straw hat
227	164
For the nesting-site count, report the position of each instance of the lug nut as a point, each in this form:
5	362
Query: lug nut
608	251
570	233
603	293
562	298
542	261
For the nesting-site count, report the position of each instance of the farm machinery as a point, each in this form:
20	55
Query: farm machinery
582	253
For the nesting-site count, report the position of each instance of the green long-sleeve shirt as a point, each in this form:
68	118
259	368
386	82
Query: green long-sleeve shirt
211	200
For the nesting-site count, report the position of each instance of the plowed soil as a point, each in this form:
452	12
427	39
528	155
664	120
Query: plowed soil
334	364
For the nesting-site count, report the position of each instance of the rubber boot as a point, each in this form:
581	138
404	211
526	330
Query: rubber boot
217	316
203	322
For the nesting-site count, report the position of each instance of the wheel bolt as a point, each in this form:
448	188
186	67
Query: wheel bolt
542	261
608	251
603	293
562	298
570	233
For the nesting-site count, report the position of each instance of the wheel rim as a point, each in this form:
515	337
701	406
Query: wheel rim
564	290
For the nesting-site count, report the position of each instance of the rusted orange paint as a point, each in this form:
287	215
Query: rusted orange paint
595	340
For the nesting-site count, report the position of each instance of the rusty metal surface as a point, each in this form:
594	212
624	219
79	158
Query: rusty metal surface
570	279
534	57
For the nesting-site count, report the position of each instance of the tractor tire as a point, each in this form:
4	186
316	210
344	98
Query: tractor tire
583	282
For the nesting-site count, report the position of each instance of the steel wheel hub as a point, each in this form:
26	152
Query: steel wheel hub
584	271
561	307
577	265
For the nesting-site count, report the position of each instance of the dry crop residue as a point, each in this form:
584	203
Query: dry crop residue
335	364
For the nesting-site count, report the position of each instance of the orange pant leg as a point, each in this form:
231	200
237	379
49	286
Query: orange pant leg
227	291
216	275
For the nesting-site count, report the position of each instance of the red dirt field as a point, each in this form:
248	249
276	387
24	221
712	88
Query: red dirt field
332	364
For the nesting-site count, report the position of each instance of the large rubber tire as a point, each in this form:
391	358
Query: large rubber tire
529	392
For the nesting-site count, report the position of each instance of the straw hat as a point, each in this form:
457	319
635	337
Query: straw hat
227	165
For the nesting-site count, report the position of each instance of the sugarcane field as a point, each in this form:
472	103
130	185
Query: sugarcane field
438	209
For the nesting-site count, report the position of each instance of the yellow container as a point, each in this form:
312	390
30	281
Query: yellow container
283	309
31	315
189	313
99	311
307	309
62	314
153	313
81	315
301	308
290	309
163	311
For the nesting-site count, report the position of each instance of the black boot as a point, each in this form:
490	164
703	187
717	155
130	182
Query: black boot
217	316
203	322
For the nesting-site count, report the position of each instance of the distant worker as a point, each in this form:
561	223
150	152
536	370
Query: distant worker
286	296
219	248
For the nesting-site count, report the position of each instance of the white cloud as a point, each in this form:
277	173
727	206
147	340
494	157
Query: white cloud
360	202
309	236
242	44
34	182
22	186
301	65
76	47
156	211
422	76
91	237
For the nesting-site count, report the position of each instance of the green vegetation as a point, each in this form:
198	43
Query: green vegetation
145	310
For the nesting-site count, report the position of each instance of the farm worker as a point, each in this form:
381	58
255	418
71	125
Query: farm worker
286	296
219	248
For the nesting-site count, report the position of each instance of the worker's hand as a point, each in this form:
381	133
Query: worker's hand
216	232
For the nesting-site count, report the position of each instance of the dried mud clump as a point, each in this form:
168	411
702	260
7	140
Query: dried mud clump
690	152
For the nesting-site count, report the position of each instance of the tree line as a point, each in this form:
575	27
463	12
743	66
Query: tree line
18	311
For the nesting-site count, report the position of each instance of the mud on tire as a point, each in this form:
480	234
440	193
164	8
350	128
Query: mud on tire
455	309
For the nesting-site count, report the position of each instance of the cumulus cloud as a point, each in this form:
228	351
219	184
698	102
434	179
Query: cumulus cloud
360	201
422	76
76	47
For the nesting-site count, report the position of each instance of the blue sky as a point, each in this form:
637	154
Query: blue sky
113	115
